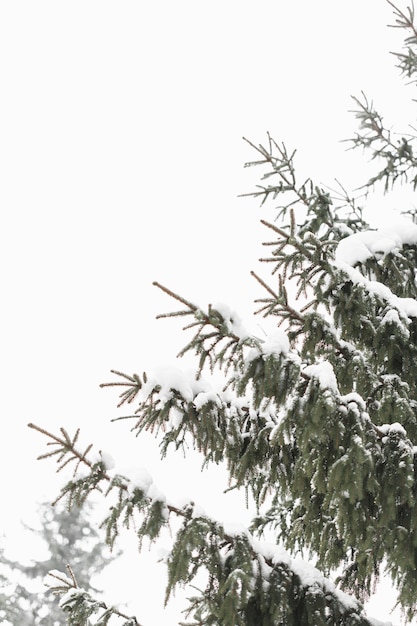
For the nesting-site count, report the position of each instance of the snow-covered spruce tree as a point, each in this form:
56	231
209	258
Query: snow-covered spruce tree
69	536
318	420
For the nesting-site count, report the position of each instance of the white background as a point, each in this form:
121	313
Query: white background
121	159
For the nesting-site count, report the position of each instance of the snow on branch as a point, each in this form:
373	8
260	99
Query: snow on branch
323	372
80	604
359	247
407	307
220	335
248	570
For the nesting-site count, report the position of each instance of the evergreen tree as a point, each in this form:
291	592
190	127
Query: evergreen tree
9	609
318	420
69	536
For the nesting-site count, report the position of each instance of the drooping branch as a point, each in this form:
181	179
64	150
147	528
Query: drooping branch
80	603
204	542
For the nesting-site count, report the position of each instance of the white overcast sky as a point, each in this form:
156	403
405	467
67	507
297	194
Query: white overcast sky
121	159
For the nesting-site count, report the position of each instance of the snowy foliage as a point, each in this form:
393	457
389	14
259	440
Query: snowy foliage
67	536
317	421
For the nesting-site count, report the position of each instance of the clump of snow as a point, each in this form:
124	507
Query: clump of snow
156	494
175	417
168	378
356	398
70	596
353	249
181	502
392	317
387	429
406	306
139	478
276	343
271	552
107	460
252	354
310	576
359	247
232	320
397	428
324	374
205	397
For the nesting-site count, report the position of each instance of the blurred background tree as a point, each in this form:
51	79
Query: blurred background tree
66	536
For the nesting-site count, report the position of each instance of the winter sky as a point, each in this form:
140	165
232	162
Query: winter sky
121	161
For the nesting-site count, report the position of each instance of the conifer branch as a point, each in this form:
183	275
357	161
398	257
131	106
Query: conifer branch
264	285
282	166
203	542
66	446
174	295
404	21
134	384
81	604
279	300
215	340
286	236
400	162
